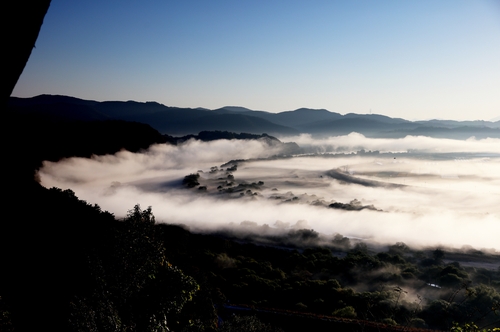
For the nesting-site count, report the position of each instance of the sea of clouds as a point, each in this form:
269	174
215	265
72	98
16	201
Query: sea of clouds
427	191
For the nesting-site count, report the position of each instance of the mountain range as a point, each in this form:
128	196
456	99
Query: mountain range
185	121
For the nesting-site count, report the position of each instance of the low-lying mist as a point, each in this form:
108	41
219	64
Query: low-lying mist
355	141
418	190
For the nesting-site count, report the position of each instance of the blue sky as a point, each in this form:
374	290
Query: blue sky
409	59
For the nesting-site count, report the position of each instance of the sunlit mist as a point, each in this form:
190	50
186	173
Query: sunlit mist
418	190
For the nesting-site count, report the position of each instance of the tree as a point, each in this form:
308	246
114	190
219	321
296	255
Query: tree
134	288
191	180
438	255
246	324
345	312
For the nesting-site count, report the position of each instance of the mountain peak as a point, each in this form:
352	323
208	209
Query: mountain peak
235	109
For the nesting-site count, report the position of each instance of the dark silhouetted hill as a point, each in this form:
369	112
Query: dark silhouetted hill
288	148
186	121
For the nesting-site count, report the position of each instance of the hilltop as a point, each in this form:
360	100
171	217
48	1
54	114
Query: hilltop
190	121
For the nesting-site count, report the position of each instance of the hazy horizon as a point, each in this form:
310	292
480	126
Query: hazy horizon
495	119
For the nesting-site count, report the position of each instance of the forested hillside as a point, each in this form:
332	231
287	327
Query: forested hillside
189	121
69	266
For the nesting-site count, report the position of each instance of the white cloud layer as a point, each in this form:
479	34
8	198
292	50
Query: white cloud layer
426	199
355	141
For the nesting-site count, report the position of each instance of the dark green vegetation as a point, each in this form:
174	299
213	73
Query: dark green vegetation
392	287
63	260
67	265
184	121
89	272
82	270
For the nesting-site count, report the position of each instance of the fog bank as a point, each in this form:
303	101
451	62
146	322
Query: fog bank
418	199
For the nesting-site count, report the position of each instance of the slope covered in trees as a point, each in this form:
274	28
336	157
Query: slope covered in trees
185	121
71	266
82	269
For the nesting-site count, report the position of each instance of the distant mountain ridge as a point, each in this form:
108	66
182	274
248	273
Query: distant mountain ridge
186	121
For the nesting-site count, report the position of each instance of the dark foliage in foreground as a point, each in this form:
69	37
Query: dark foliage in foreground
67	265
86	271
391	287
82	270
53	246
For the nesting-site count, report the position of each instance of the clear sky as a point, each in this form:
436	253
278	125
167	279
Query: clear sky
410	59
